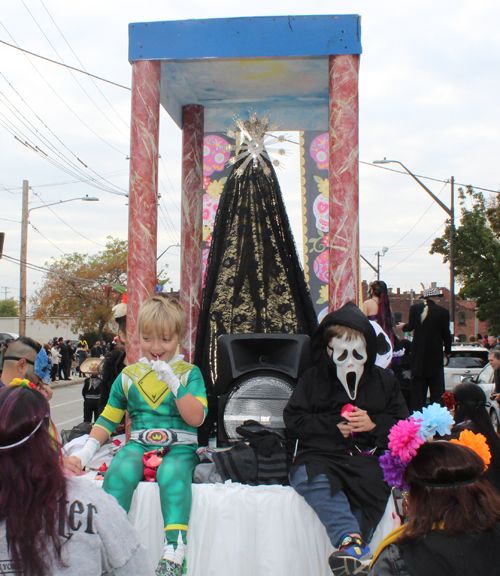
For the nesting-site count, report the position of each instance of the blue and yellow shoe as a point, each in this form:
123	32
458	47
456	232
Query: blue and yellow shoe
351	558
168	568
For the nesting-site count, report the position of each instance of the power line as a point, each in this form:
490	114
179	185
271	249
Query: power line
428	177
65	223
48	271
61	99
43	236
81	64
430	206
37	133
61	58
406	258
61	64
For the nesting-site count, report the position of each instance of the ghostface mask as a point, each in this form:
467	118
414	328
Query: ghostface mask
349	357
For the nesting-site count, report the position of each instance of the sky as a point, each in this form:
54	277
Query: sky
428	88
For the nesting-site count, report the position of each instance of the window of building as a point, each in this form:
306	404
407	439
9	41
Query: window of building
461	318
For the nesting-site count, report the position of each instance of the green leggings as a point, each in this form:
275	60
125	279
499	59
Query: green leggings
174	478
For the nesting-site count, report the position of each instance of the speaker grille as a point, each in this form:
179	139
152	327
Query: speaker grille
261	398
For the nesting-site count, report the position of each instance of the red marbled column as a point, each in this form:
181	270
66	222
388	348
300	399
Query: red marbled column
344	181
192	221
143	209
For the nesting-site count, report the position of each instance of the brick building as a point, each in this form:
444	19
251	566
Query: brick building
466	323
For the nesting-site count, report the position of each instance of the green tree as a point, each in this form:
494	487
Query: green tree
9	307
80	288
477	253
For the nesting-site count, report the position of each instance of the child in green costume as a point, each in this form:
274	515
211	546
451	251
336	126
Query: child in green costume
166	399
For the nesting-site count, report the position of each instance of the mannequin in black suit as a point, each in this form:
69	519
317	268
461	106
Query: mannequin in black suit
430	324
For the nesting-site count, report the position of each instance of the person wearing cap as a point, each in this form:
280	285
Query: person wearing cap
430	324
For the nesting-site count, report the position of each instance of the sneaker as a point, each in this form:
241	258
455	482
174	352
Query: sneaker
350	558
168	568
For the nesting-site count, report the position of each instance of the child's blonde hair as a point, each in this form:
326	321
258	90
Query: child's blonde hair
160	311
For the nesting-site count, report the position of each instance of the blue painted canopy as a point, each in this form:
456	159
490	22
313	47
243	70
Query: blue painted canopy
276	65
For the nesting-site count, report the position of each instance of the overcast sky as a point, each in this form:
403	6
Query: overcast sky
429	97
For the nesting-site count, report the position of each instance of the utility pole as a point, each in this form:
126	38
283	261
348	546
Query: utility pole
6	289
451	213
24	256
377	254
452	256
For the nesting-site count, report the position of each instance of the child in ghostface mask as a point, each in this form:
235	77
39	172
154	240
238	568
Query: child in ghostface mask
340	415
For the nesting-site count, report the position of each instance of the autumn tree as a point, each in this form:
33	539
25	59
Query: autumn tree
81	288
9	307
477	253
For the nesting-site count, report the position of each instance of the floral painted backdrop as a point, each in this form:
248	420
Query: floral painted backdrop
215	173
314	161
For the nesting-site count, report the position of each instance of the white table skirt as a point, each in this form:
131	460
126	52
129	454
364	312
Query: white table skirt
240	530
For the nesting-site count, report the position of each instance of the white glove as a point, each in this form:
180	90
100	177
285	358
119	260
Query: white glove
165	373
88	451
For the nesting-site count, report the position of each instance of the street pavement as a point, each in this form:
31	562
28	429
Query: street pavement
66	405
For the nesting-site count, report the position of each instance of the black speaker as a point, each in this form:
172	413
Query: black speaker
256	374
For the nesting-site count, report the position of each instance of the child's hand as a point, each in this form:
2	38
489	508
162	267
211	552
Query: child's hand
360	421
165	373
345	428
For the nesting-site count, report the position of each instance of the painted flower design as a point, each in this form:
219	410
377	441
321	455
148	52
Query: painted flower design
320	266
215	188
207	231
204	259
323	294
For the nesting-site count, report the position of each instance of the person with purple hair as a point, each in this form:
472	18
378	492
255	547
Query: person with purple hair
378	308
50	524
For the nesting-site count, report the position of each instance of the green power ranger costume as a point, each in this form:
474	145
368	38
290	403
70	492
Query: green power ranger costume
156	422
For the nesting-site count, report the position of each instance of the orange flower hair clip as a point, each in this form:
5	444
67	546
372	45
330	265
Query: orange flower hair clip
476	442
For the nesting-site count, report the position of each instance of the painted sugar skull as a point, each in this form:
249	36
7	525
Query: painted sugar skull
349	355
319	151
215	154
321	211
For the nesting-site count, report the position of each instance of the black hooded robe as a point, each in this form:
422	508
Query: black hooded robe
313	412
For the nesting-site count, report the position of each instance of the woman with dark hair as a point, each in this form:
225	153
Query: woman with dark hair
50	524
378	308
454	518
471	414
